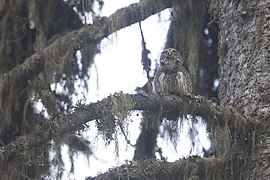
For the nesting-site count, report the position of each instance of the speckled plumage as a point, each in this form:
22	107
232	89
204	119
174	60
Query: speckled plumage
171	77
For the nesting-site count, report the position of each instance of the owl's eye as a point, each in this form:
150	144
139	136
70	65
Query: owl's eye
162	61
177	59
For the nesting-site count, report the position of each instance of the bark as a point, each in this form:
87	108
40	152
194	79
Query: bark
245	66
245	71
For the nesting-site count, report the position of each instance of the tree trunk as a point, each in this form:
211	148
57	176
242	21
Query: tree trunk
244	50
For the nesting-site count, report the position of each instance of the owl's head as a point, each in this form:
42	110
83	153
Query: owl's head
170	59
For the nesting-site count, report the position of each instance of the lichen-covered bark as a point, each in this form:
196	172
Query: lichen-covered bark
244	56
245	70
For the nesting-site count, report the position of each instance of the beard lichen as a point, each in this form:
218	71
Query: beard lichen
114	116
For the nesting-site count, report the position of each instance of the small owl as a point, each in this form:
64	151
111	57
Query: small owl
171	77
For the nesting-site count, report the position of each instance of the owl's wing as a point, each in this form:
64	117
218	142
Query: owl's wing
184	80
159	82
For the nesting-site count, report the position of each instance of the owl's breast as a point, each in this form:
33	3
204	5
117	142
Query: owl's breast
173	83
168	82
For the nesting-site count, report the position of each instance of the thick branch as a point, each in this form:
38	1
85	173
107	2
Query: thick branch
214	115
190	168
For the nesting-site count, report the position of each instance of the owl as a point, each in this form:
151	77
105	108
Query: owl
171	77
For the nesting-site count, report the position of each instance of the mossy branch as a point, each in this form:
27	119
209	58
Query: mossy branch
193	167
215	116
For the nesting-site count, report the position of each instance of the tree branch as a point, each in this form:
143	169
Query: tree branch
193	167
215	116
